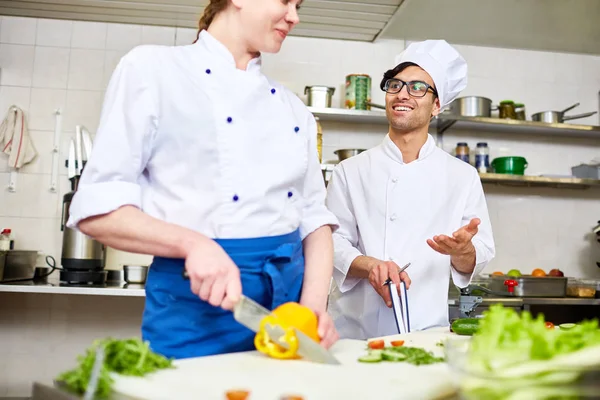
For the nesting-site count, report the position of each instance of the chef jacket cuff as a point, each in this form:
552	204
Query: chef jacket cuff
342	264
102	198
317	219
461	279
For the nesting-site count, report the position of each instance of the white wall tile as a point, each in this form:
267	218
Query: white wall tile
13	95
17	30
86	69
162	35
16	63
51	69
111	60
89	35
43	141
185	36
54	33
123	37
83	108
44	103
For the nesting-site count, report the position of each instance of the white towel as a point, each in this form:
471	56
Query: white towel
15	140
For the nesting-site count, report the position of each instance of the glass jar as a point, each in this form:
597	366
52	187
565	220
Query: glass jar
482	158
506	109
520	111
462	151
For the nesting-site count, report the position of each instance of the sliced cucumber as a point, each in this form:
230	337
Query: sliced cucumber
567	326
391	355
372	357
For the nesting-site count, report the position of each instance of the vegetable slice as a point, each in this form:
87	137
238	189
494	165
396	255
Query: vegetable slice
376	344
371	357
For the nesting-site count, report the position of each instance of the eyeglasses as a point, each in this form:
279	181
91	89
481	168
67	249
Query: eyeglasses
415	88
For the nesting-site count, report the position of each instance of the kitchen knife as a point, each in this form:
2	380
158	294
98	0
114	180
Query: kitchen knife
249	313
78	150
87	144
71	170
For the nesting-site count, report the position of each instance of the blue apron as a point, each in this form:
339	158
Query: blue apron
178	324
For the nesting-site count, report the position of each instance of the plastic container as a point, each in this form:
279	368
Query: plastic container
582	288
510	165
5	240
482	158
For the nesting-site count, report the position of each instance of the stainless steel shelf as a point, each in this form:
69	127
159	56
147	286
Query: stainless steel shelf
543	181
445	122
353	116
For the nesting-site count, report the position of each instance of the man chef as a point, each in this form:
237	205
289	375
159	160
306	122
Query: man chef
407	201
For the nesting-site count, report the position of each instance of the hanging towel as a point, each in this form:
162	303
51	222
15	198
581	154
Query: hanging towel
15	140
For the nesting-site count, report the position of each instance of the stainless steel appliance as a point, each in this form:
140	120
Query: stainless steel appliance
82	258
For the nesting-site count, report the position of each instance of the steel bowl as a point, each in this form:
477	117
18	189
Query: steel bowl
135	273
347	153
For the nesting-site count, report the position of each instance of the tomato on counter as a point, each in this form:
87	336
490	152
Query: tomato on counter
376	344
237	394
397	343
549	325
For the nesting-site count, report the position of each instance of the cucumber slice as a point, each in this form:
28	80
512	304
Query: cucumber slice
390	355
370	358
567	326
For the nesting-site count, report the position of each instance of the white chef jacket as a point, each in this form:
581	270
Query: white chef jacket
190	139
387	209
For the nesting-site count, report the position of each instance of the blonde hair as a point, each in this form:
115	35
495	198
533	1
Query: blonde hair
212	9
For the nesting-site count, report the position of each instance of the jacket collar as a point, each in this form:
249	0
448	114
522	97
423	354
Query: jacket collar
392	151
222	53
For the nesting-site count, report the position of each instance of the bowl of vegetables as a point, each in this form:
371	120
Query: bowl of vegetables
515	356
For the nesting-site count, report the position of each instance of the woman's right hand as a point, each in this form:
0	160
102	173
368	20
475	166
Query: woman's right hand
214	277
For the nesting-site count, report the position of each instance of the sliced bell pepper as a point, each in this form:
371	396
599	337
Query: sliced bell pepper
266	345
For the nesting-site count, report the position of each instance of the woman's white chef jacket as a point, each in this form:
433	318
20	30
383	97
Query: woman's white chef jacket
388	209
194	141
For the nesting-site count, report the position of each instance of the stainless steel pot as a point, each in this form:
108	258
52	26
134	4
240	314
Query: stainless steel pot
347	153
472	106
319	96
553	117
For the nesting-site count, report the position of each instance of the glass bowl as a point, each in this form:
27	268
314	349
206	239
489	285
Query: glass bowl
575	383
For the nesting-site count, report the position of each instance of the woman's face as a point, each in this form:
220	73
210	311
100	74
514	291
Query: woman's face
267	22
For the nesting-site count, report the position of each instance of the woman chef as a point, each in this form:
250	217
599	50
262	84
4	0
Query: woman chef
205	163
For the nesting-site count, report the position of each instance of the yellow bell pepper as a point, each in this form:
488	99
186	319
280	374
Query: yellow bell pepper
287	316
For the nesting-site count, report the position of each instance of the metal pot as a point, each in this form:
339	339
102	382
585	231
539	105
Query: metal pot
553	117
472	106
347	153
319	96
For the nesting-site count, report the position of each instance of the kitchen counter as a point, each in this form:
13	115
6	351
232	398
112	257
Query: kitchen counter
523	301
54	286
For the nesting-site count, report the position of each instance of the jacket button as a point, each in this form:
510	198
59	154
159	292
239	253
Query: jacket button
393	217
296	129
229	119
208	71
290	194
394	180
235	197
273	91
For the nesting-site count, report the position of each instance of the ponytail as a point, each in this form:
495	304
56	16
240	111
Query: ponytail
212	9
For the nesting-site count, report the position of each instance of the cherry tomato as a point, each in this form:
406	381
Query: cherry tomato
376	344
397	343
549	325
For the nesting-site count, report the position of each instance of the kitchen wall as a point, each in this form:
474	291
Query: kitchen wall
51	64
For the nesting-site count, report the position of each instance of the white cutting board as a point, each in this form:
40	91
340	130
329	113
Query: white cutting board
208	378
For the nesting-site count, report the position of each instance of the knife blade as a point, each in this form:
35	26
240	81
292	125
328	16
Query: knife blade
71	161
249	313
87	143
78	151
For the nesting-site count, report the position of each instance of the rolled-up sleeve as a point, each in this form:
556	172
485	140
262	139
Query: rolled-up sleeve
122	144
314	212
345	239
483	241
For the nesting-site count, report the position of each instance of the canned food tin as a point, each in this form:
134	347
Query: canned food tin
358	92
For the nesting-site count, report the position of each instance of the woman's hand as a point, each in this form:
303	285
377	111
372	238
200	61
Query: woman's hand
214	277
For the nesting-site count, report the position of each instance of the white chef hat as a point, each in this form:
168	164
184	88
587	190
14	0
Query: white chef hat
442	62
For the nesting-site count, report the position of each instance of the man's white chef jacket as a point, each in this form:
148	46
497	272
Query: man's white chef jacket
387	209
